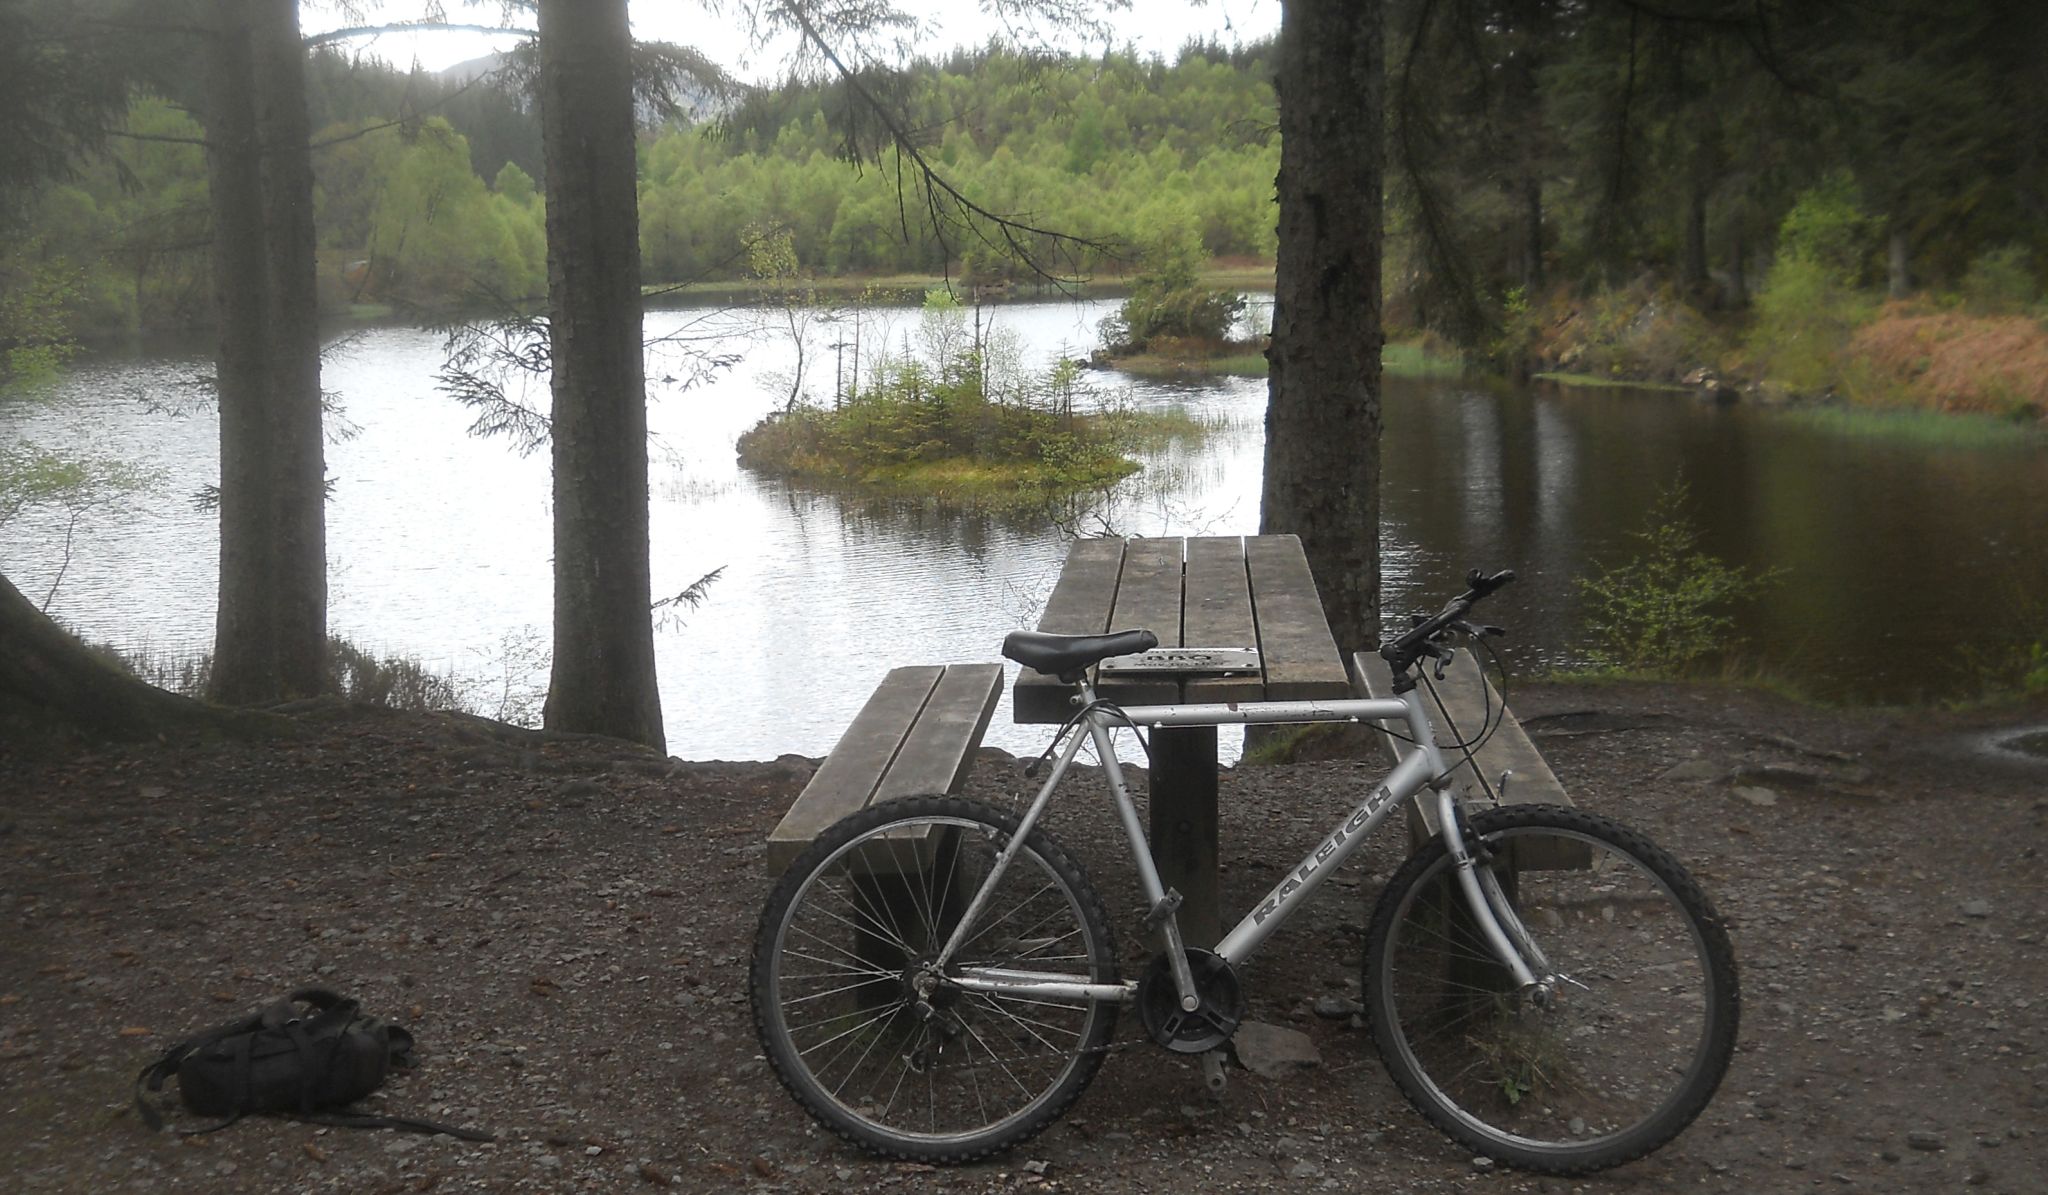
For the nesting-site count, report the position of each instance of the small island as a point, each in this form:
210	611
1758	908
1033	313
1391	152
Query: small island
956	416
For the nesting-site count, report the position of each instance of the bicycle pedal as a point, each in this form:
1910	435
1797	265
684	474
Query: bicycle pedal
1168	905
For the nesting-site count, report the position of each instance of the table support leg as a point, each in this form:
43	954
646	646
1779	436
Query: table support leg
1183	827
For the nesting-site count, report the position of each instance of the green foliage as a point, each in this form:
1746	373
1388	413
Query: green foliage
515	184
392	682
436	232
35	302
1828	230
957	415
354	674
1804	317
1094	147
33	476
1521	327
1664	610
2002	279
1167	300
2034	680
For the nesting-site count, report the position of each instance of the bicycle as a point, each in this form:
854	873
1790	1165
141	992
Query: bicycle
934	978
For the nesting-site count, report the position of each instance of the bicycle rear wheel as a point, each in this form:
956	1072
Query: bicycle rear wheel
1639	1028
943	1074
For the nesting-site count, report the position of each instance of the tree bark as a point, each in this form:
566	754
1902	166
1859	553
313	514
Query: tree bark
1694	279
1898	271
1525	118
603	680
1323	408
270	633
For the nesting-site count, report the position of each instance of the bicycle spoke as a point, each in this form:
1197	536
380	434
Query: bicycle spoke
884	1066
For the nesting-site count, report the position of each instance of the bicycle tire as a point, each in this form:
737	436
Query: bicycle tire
844	930
1580	1085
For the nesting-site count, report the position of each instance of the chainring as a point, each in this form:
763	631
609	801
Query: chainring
1211	1024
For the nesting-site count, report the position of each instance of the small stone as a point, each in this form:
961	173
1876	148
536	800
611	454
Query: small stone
1336	1008
593	1151
1977	908
844	1174
1757	796
1925	1139
1034	1167
1305	1169
1271	1051
1577	1126
1482	1164
1697	771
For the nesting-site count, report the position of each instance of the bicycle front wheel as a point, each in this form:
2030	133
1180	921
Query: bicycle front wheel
1625	1049
889	1051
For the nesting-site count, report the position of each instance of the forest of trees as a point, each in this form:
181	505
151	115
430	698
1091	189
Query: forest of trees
1556	170
1612	185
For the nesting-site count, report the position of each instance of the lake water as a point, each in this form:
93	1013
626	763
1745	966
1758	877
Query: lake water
1907	567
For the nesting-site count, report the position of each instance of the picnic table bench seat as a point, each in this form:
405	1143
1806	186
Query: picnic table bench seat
1458	706
916	736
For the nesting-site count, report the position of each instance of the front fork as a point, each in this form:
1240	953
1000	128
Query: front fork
1496	919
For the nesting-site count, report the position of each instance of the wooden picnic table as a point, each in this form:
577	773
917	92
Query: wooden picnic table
1208	591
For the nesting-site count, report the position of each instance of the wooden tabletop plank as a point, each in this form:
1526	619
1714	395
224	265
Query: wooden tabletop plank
1148	598
846	781
1295	644
1079	605
1217	612
939	751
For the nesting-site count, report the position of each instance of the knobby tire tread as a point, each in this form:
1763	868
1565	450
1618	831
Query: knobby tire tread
1724	1011
792	882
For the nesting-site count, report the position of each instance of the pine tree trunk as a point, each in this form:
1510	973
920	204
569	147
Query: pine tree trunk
1694	277
1323	410
1898	274
1530	29
603	680
270	633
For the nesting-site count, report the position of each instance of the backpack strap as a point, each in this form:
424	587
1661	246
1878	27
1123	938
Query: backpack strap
152	1076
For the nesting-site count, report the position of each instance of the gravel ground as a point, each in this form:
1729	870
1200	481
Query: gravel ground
565	927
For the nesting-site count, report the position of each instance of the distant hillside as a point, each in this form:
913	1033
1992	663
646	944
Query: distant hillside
463	72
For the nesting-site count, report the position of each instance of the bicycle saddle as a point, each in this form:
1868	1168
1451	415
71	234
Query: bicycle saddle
1066	656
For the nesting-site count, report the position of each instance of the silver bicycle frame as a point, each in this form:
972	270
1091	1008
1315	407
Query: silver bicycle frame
1423	768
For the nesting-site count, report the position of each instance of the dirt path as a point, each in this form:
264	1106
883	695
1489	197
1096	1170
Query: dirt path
565	928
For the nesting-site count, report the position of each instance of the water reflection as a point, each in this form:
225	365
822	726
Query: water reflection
1895	553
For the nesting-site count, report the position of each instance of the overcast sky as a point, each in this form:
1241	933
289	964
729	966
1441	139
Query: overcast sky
1152	26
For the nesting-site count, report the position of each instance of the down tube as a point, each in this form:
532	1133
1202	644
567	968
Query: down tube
1308	875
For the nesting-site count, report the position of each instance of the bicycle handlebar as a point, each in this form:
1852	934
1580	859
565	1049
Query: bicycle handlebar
1401	652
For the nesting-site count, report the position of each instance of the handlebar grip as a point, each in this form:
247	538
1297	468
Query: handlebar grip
1481	584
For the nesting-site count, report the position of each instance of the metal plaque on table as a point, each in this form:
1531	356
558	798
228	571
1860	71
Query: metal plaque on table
1207	661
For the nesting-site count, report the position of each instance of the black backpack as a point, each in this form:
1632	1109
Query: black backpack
304	1055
